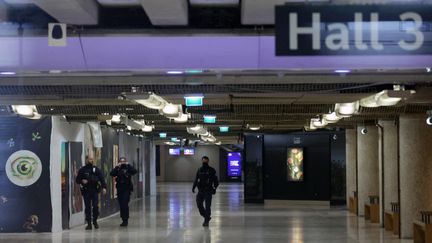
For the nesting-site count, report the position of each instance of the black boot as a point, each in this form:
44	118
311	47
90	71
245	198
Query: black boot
206	222
95	224
89	226
124	224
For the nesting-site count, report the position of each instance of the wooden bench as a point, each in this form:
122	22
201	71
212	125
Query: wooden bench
352	204
372	209
391	219
422	230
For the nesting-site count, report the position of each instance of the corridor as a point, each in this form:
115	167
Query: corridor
172	217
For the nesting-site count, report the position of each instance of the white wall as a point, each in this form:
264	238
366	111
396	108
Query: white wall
62	132
183	168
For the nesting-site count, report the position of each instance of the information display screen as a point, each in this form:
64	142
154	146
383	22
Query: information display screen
174	151
234	164
189	151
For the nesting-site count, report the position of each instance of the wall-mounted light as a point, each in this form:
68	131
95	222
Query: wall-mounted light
347	109
364	131
429	119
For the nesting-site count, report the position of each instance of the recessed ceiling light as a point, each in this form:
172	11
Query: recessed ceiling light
174	72
7	73
342	71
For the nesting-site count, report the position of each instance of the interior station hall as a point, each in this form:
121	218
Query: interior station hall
300	121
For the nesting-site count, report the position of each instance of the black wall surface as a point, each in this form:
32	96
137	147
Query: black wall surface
253	168
25	208
338	168
316	184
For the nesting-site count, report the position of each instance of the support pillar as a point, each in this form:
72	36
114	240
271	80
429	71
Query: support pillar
368	172
415	170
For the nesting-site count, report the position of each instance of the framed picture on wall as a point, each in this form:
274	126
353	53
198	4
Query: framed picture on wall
295	164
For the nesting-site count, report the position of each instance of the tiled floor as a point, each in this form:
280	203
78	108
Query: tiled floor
172	217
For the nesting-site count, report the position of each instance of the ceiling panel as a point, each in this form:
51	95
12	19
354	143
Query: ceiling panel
166	12
119	3
81	12
214	2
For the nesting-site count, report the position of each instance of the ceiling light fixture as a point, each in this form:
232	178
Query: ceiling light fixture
7	73
150	100
116	118
428	69
318	122
254	127
174	72
342	71
386	97
183	118
332	117
198	129
347	109
172	110
147	128
27	111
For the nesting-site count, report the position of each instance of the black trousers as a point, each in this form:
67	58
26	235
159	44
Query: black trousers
91	202
123	199
204	198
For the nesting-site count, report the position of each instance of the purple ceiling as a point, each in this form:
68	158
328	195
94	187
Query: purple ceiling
186	52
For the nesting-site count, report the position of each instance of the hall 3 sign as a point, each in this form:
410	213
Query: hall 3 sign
353	29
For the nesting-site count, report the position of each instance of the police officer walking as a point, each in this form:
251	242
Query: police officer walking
207	183
123	174
92	183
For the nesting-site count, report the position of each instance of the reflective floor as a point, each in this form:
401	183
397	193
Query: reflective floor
172	217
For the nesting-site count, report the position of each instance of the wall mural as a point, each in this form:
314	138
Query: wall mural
295	161
25	201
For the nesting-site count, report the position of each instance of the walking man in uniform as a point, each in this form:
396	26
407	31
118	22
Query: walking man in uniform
207	183
92	182
123	174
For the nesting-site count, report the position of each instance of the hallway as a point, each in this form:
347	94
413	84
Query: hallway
172	217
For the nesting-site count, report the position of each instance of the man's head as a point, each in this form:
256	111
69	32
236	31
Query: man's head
122	160
89	160
205	159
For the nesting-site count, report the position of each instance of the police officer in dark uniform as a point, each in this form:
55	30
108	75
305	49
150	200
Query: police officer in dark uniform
92	183
123	174
207	183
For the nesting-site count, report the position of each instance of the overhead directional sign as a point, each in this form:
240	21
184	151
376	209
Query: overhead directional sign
353	29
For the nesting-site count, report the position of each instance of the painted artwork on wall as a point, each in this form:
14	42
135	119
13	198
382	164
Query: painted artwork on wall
295	164
75	153
25	197
65	183
114	164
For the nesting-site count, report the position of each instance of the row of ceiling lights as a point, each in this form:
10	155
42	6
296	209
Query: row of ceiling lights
345	110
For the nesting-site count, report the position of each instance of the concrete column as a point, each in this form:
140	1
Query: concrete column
390	166
415	170
367	160
351	162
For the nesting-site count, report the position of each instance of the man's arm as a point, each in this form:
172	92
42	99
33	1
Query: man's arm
78	179
114	172
132	170
195	182
215	180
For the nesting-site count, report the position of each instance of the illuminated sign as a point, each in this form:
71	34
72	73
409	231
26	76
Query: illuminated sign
234	164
